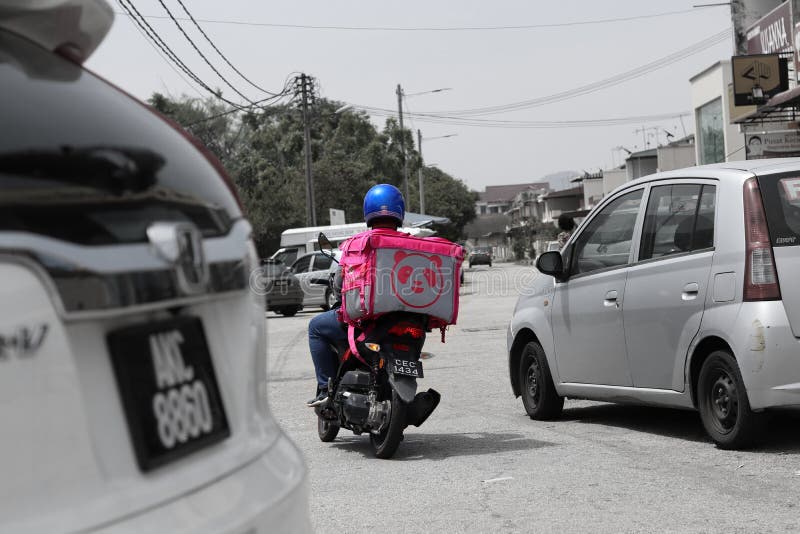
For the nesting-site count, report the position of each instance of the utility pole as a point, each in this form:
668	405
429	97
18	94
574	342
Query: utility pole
421	180
402	140
304	86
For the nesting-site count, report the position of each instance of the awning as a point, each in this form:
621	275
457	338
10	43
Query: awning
417	220
781	107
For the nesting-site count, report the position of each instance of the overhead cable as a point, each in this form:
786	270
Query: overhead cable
203	56
217	50
443	28
511	124
578	91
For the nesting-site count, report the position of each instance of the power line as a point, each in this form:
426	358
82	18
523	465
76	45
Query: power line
443	28
273	100
217	50
165	58
153	36
510	124
155	39
578	91
200	53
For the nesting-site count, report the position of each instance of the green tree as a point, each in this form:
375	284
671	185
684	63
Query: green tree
263	153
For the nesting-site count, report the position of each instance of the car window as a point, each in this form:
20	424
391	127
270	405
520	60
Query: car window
302	265
781	197
676	222
606	240
321	262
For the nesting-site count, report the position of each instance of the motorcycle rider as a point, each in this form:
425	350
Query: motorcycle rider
384	207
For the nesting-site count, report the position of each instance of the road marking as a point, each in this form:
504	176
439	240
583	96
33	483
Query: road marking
501	479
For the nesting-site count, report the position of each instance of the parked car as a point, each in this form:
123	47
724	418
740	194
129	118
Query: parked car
480	256
677	290
312	271
281	288
132	349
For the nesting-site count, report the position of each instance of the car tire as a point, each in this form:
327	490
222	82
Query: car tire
723	403
539	395
288	312
490	264
330	300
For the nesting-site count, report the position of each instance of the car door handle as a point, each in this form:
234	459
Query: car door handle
690	291
611	299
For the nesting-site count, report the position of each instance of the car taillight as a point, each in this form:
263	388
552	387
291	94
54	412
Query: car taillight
760	277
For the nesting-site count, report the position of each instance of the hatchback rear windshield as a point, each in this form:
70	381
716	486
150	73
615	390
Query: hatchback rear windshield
781	195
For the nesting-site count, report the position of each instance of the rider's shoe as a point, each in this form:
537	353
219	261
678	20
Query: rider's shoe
321	398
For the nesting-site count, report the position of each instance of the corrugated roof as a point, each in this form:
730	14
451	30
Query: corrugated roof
573	192
506	193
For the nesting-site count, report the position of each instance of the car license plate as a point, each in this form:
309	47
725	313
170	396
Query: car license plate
168	389
406	367
280	283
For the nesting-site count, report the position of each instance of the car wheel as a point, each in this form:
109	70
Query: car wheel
330	300
723	404
490	264
288	312
539	394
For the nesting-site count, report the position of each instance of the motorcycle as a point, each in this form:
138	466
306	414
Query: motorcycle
375	389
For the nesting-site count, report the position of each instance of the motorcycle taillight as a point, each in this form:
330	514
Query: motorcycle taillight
407	330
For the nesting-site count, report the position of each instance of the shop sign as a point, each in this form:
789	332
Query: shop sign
778	144
772	33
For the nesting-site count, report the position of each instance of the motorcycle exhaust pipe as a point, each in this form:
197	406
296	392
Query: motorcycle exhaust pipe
422	406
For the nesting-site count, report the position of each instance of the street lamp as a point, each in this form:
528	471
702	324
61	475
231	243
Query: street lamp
400	95
421	181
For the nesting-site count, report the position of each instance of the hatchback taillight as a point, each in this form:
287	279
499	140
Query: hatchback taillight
760	277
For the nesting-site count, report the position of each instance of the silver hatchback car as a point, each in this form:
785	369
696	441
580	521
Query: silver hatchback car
677	290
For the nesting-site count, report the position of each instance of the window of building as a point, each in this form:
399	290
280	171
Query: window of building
711	134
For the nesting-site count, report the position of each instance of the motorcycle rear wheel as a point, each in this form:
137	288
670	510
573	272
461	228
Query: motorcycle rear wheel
327	430
385	444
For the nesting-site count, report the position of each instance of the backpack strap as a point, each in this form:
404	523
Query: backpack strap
351	340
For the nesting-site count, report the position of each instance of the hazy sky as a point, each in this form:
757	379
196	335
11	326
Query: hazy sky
484	68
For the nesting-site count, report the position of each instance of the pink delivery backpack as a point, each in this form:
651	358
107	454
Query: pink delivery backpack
386	271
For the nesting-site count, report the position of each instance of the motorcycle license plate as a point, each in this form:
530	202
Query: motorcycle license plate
168	389
406	367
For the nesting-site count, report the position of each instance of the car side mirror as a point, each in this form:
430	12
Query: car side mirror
325	246
551	263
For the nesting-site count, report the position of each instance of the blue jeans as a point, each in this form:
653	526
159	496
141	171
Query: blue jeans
324	330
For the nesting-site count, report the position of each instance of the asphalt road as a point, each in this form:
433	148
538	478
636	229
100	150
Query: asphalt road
479	464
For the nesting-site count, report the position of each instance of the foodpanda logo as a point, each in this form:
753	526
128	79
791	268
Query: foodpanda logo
417	279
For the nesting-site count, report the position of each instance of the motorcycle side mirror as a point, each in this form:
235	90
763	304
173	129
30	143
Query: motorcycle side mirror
325	246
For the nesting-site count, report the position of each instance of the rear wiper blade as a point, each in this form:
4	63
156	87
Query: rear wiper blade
108	168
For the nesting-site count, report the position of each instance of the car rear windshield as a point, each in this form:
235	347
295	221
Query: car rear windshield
82	162
781	196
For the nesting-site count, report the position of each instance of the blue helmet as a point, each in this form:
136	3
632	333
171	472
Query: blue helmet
384	201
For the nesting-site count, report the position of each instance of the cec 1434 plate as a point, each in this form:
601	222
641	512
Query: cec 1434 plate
168	389
406	367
